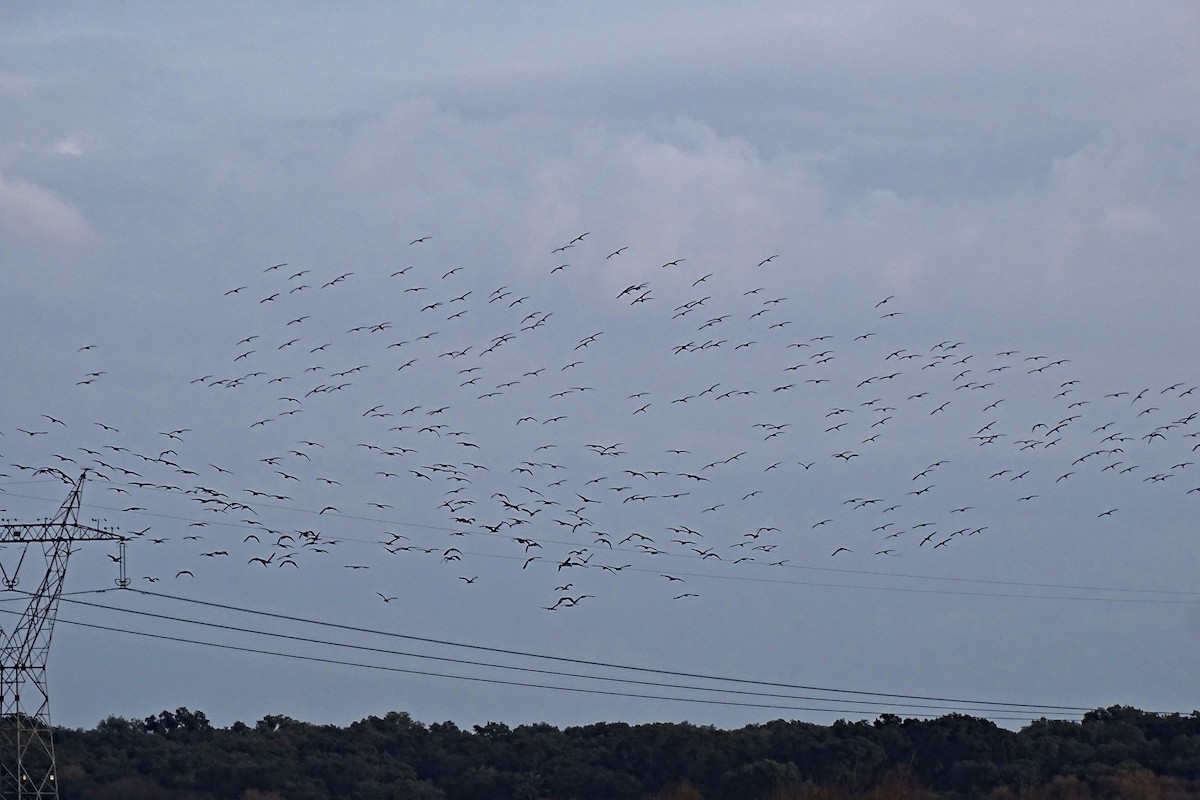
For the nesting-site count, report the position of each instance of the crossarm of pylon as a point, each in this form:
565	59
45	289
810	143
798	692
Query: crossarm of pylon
55	532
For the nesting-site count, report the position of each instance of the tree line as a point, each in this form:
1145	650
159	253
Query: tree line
1118	752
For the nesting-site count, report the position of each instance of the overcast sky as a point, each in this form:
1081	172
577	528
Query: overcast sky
836	345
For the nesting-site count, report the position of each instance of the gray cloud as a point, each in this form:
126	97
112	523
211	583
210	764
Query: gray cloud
31	212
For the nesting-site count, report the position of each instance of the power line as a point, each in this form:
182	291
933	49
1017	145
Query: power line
477	679
593	663
490	665
874	573
834	570
918	590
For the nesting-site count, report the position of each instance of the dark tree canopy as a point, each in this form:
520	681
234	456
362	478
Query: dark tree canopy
1117	752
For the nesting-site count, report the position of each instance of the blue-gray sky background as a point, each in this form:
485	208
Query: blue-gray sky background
1014	177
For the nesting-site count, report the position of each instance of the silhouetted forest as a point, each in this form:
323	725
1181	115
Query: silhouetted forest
1117	752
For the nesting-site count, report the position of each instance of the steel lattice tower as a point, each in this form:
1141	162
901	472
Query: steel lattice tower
27	768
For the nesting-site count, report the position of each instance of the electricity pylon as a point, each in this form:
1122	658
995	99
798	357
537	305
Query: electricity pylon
27	769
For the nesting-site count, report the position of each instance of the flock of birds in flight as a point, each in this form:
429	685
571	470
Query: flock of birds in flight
668	412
